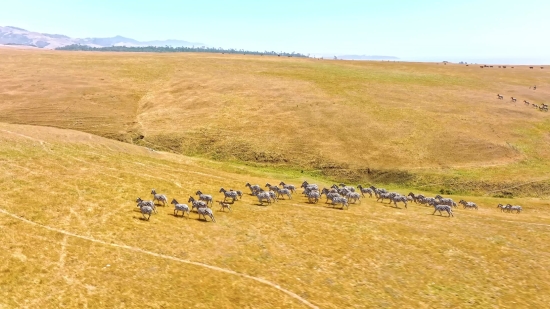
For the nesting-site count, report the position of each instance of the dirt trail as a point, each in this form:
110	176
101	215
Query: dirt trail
164	256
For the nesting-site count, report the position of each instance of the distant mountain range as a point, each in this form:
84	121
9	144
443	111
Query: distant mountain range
17	36
364	57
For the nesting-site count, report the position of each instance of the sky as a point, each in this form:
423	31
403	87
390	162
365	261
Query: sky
411	30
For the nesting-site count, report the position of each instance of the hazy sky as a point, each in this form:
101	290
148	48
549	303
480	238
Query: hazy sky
481	29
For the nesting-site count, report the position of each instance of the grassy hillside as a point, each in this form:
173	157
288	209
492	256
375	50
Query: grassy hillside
71	237
430	126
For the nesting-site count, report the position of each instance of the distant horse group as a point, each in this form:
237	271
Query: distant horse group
542	107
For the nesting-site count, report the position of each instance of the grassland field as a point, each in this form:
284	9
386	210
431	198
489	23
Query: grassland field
77	133
414	125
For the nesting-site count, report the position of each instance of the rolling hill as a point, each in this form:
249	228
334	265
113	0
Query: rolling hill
82	135
413	125
72	237
17	36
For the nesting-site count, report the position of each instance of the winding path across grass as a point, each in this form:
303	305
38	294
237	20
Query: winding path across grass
164	256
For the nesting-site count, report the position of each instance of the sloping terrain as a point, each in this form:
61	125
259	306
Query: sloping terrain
429	126
18	36
71	237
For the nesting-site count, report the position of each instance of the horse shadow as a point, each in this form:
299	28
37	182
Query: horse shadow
439	215
203	220
390	205
177	216
141	219
337	208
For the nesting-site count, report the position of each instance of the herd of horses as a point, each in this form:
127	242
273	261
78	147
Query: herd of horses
542	107
337	195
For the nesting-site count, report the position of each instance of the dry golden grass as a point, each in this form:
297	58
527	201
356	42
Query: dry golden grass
411	124
80	189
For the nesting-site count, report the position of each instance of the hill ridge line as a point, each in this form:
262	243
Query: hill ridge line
164	256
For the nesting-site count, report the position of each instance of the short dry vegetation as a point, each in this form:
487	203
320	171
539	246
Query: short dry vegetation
71	235
431	126
80	188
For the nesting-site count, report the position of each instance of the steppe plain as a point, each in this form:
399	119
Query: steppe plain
77	134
